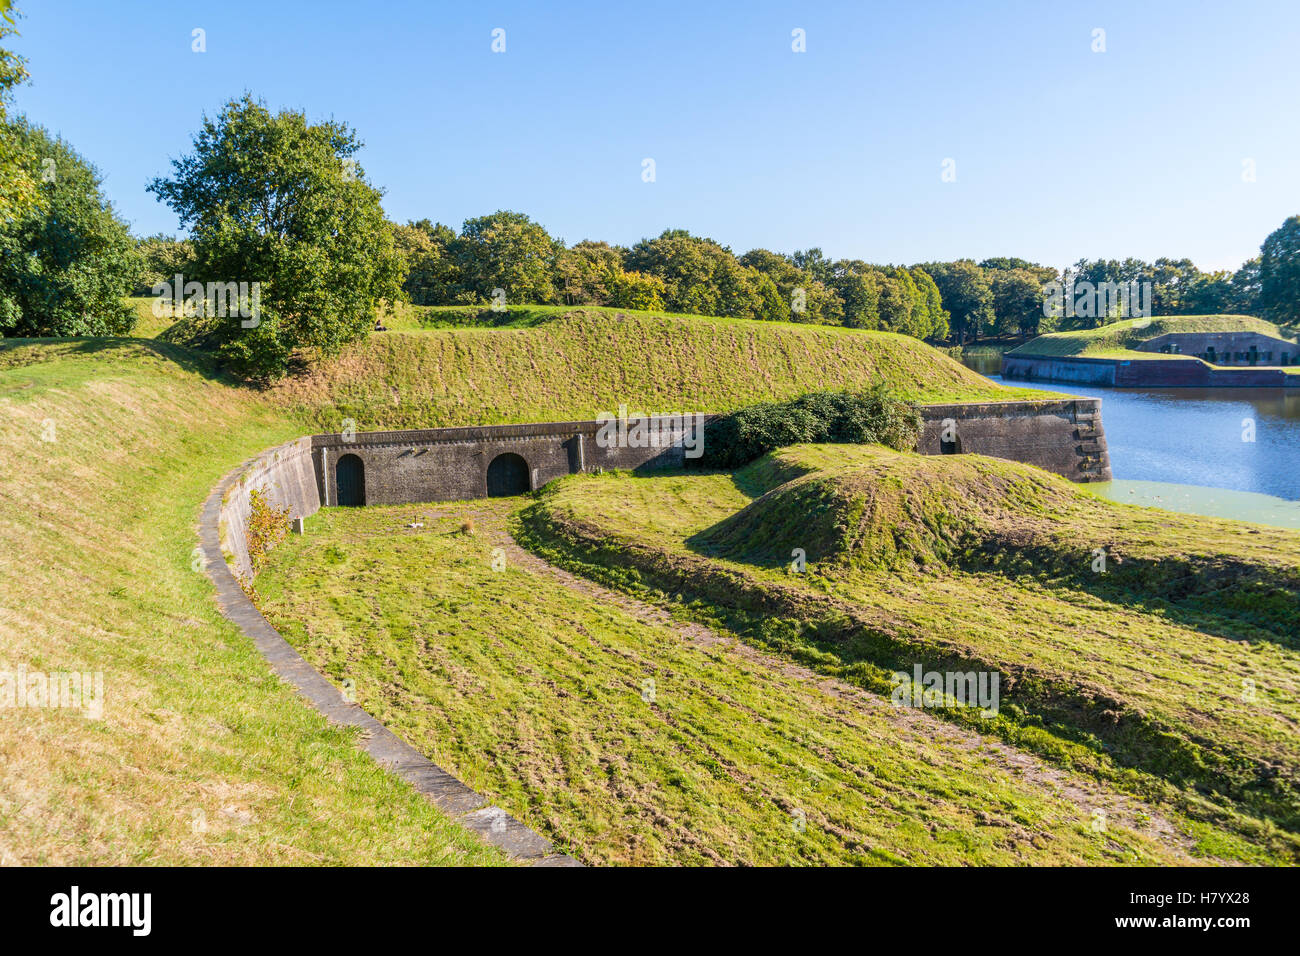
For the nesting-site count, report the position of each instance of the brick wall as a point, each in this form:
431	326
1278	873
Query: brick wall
449	464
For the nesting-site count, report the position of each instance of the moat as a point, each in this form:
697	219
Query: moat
1186	448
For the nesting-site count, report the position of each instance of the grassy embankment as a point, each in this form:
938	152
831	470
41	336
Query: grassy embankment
202	756
578	363
1174	674
628	738
1119	339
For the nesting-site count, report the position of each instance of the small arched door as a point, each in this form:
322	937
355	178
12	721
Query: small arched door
507	475
351	478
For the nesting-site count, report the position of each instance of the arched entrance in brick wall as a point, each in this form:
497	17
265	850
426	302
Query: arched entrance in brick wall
350	476
507	475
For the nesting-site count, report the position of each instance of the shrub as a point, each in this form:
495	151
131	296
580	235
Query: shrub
267	526
873	416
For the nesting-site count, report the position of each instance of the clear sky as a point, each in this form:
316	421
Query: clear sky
1060	152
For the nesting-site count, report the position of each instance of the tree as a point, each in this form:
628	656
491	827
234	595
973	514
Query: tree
1017	301
1245	288
1210	293
686	264
586	273
896	299
1042	273
936	314
506	251
966	295
18	169
858	288
274	200
802	298
633	290
162	257
66	262
1279	273
430	275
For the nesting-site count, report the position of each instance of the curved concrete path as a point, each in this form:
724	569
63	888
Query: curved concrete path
444	791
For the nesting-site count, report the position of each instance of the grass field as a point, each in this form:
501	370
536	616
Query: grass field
1176	668
1117	339
111	446
201	756
627	737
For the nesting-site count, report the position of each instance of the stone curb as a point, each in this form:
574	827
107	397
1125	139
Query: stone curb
444	791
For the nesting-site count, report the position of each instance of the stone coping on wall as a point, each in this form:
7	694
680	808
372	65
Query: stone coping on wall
448	794
1152	370
462	433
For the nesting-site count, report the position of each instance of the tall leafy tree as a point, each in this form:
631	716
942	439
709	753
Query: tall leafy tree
935	314
686	264
18	174
634	290
431	276
1246	289
1017	301
506	251
67	261
162	258
966	295
586	273
858	288
273	199
1279	273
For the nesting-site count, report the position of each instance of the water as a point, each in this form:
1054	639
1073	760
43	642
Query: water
1168	446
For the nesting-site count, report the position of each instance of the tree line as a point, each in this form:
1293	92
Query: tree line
273	201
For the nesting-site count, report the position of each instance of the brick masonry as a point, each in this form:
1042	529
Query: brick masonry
1064	436
1187	372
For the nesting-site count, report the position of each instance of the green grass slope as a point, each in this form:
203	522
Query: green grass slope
576	363
628	739
1118	339
1176	671
201	756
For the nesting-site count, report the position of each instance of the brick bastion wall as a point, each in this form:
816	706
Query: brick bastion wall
1064	436
1142	373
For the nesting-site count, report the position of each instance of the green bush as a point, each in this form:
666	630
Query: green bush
874	416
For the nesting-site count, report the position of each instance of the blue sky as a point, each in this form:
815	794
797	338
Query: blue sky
1059	152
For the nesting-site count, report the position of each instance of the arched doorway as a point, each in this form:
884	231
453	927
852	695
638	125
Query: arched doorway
351	479
507	475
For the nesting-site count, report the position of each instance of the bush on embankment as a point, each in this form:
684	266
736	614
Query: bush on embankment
874	416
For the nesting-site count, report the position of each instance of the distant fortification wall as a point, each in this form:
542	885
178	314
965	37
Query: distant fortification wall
1226	348
1141	373
451	464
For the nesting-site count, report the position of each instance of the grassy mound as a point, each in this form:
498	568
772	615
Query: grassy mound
1174	664
577	363
872	507
1119	339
